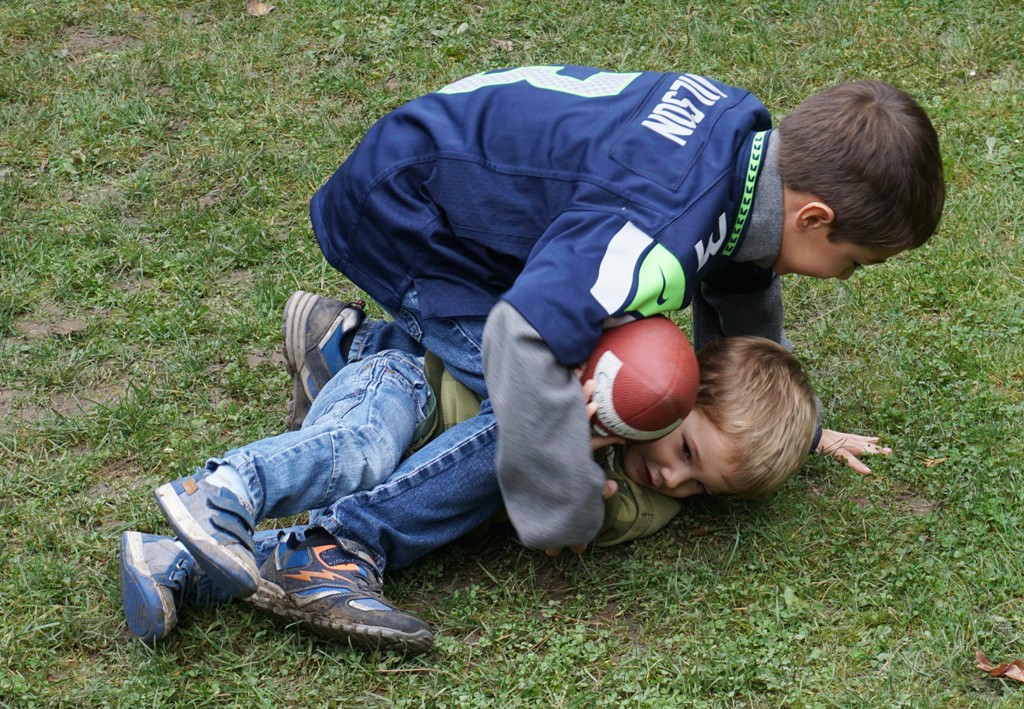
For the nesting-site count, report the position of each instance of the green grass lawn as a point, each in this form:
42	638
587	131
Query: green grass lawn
156	160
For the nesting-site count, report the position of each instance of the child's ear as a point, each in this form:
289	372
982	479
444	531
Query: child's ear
815	214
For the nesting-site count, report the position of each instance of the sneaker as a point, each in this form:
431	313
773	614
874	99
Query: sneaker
313	329
216	527
156	576
335	591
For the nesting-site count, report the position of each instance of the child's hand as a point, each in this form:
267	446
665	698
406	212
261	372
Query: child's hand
849	447
597	442
610	488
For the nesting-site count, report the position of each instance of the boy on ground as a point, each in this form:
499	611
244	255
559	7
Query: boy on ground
751	428
546	203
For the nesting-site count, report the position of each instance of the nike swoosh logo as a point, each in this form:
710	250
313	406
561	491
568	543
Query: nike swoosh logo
664	284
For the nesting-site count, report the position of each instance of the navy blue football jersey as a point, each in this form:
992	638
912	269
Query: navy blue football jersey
578	195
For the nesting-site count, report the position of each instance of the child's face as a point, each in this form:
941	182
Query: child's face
816	256
805	248
688	461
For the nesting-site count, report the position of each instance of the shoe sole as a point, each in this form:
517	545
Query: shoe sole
293	331
148	607
270	598
236	576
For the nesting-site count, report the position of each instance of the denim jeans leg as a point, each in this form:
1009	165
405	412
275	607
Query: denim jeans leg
446	489
458	342
455	340
378	335
354	437
443	491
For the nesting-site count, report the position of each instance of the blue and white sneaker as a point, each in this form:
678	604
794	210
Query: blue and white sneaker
314	331
333	588
157	575
216	526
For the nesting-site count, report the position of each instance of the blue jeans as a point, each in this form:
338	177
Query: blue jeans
457	341
357	431
444	490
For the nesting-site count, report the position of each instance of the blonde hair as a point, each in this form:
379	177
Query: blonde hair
756	393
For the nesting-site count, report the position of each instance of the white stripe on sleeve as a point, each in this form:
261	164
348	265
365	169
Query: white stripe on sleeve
618	267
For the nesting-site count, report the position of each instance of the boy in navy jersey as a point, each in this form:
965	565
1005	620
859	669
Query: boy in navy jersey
506	219
553	201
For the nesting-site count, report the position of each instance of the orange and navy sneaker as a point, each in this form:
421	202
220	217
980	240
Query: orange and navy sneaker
332	587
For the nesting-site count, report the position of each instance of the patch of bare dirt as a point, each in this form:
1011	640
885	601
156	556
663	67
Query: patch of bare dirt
83	42
95	195
8	401
118	476
48	323
918	505
20	407
257	358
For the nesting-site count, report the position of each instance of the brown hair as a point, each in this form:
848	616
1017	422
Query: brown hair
755	392
870	152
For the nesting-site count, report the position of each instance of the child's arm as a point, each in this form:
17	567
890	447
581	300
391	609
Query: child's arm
549	481
631	512
611	490
742	299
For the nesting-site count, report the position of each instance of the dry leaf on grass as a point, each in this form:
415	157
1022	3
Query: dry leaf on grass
1010	670
257	8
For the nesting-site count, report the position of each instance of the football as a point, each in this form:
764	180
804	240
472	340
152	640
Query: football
646	378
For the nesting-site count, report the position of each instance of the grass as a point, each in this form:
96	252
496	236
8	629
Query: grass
156	159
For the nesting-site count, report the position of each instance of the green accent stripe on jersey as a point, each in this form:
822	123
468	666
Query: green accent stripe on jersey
753	169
